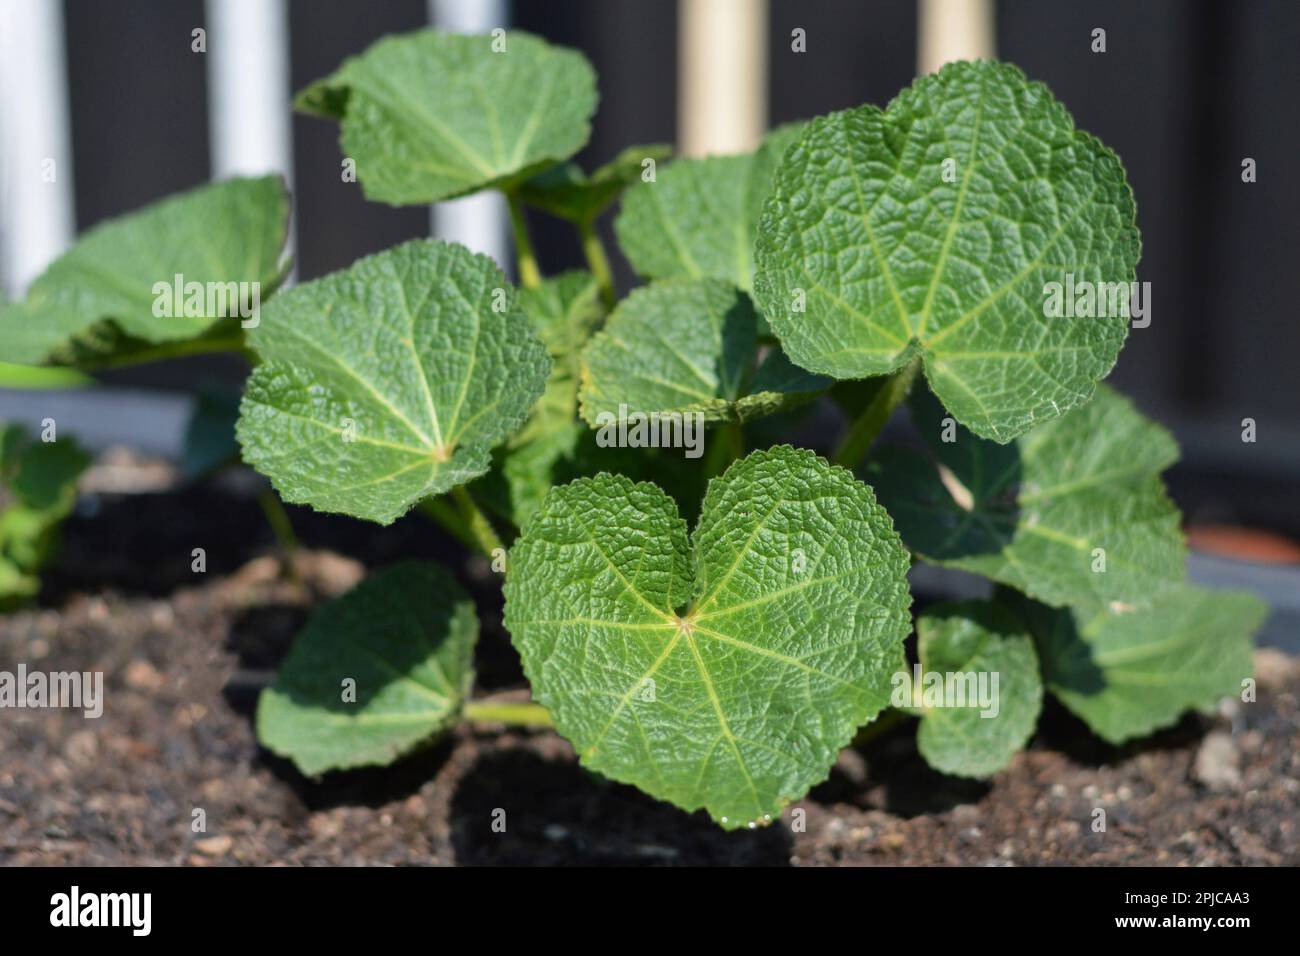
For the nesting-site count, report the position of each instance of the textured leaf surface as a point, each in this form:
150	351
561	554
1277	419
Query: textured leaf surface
1127	670
700	216
978	637
430	115
1032	513
724	672
686	346
889	258
98	298
406	637
564	311
566	191
389	381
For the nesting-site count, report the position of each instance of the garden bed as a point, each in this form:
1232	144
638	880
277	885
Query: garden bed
185	656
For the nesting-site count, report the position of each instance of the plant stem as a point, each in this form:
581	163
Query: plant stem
598	262
867	426
279	521
530	276
170	350
485	537
526	714
727	444
441	511
41	376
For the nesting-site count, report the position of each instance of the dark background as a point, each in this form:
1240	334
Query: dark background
1183	93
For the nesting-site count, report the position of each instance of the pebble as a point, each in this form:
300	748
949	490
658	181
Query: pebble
1217	762
214	845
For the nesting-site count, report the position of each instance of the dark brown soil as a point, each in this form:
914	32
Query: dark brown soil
184	656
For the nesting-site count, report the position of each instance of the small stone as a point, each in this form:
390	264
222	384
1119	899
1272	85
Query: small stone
214	846
1217	762
141	675
81	747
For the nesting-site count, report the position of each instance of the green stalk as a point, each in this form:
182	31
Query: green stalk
171	350
41	376
727	443
485	536
530	276
867	426
279	521
441	511
598	262
525	714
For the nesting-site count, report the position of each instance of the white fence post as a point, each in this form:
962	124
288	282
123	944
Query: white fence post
37	218
477	221
721	76
250	105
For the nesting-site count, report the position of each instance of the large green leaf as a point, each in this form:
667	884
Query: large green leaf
1129	669
726	672
389	381
405	639
566	191
868	254
686	346
428	116
969	645
699	217
98	299
1033	514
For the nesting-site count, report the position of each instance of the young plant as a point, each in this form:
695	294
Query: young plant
37	491
714	630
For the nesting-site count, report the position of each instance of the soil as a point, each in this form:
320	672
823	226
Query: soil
185	654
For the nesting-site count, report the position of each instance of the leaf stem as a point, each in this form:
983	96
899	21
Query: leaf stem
169	350
441	511
525	714
727	444
485	536
863	431
598	262
530	276
41	376
279	521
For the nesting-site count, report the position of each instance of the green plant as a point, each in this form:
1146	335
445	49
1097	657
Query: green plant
712	631
37	491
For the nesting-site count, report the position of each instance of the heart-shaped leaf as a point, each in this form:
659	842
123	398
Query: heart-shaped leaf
113	294
980	692
389	381
1129	669
934	227
375	674
699	217
1073	511
566	191
428	115
686	346
726	673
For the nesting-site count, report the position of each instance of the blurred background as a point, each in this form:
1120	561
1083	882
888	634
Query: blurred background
1185	91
